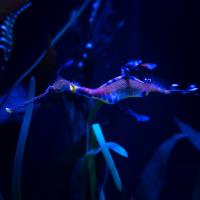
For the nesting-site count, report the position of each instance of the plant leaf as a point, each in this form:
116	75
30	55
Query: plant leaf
91	115
107	155
117	148
18	161
193	135
110	145
153	177
102	195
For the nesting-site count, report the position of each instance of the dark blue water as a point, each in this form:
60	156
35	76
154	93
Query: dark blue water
54	166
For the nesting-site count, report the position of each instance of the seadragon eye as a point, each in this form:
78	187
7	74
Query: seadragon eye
147	80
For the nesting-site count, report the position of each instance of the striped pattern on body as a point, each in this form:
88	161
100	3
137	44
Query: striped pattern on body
117	89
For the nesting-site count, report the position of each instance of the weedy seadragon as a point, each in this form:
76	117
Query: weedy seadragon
113	91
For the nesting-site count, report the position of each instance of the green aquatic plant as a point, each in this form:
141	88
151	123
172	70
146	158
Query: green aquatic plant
191	134
90	143
21	144
94	134
154	174
96	129
89	163
91	116
152	179
101	192
110	145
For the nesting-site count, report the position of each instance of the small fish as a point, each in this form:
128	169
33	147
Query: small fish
111	92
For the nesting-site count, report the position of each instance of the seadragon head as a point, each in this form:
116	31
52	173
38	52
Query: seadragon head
62	85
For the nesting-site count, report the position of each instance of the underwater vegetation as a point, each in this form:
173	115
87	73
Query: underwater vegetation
17	166
85	113
7	27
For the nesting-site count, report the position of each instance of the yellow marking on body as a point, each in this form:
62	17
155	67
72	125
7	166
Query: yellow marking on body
73	88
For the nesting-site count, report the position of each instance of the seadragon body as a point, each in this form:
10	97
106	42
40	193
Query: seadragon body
113	91
119	88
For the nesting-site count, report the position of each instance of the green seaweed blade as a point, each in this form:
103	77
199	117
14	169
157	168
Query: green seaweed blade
21	143
90	143
107	155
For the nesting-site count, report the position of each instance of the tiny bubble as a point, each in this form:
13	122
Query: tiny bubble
80	64
89	45
175	85
84	55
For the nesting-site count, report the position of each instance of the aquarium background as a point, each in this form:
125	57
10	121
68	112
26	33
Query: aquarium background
159	32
